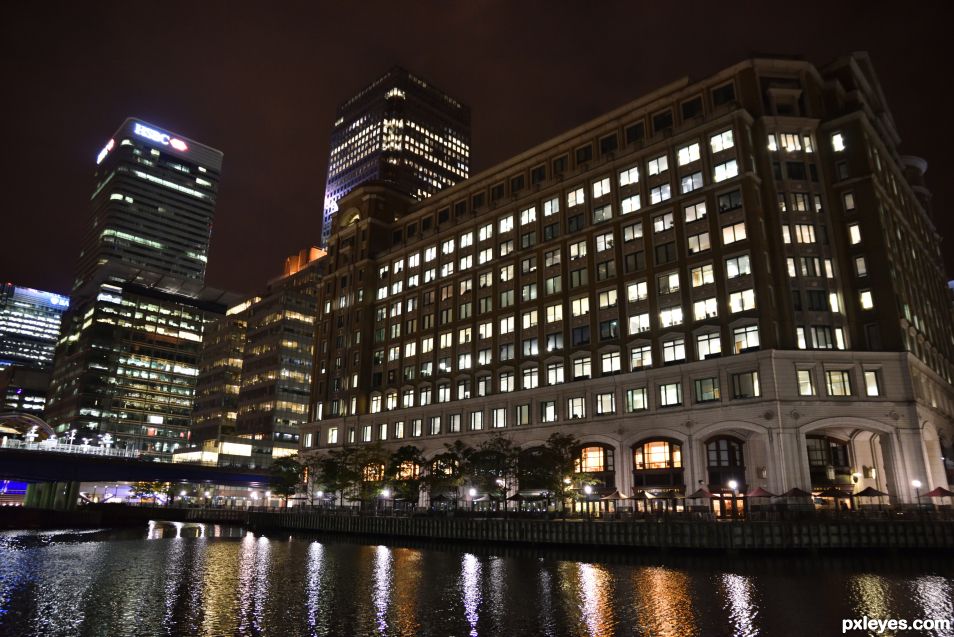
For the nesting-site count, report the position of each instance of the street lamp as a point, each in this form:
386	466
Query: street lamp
917	490
473	494
734	485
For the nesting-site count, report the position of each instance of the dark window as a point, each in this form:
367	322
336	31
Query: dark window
608	144
528	240
813	172
538	174
427	223
575	223
609	329
460	209
776	170
635	261
517	183
795	170
723	94
605	270
842	170
662	121
397	237
551	232
666	252
584	154
692	108
411	230
496	192
559	164
578	278
817	300
581	335
477	201
635	133
730	201
796	300
443	216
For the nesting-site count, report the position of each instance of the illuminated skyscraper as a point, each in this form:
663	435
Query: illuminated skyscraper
29	325
400	130
152	205
127	362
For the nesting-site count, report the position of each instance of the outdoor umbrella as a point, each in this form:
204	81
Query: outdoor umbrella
939	492
870	492
516	497
616	495
700	494
759	492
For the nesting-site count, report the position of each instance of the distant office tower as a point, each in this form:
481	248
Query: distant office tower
153	203
29	325
128	359
400	130
730	283
255	375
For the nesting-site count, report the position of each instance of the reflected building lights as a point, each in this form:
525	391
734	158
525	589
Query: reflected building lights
595	590
935	599
382	587
663	602
741	609
870	595
470	587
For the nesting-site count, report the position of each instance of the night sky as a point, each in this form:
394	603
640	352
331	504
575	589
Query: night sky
261	81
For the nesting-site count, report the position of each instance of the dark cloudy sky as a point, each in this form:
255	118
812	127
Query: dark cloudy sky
260	81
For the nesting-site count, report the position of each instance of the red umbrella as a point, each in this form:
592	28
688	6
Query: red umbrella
871	492
939	492
759	492
701	493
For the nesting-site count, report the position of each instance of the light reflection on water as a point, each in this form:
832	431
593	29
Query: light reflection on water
192	579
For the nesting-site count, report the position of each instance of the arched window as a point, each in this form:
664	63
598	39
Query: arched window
726	463
658	463
725	452
408	470
657	454
594	459
373	473
828	461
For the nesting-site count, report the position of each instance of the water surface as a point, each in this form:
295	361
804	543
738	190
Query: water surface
193	579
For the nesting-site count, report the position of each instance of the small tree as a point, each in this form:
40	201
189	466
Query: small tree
450	469
287	474
561	449
403	473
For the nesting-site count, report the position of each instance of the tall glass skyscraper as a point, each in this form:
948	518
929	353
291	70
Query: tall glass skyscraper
128	359
29	325
152	205
400	130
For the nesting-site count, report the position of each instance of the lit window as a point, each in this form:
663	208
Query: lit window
872	386
605	404
724	171
580	307
629	176
839	382
576	408
745	338
688	154
698	242
601	187
690	182
695	211
658	165
528	216
772	142
551	207
629	204
734	232
721	141
607	299
741	301
838	142
636	399
639	323
861	266
702	275
641	356
806	384
737	266
674	350
505	224
867	302
575	197
660	193
854	233
705	309
745	385
663	222
709	344
670	394
707	389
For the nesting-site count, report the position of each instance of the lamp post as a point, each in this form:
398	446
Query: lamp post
735	494
385	494
473	493
917	490
587	490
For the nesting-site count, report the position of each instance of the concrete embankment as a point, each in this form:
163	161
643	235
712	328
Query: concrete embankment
809	534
